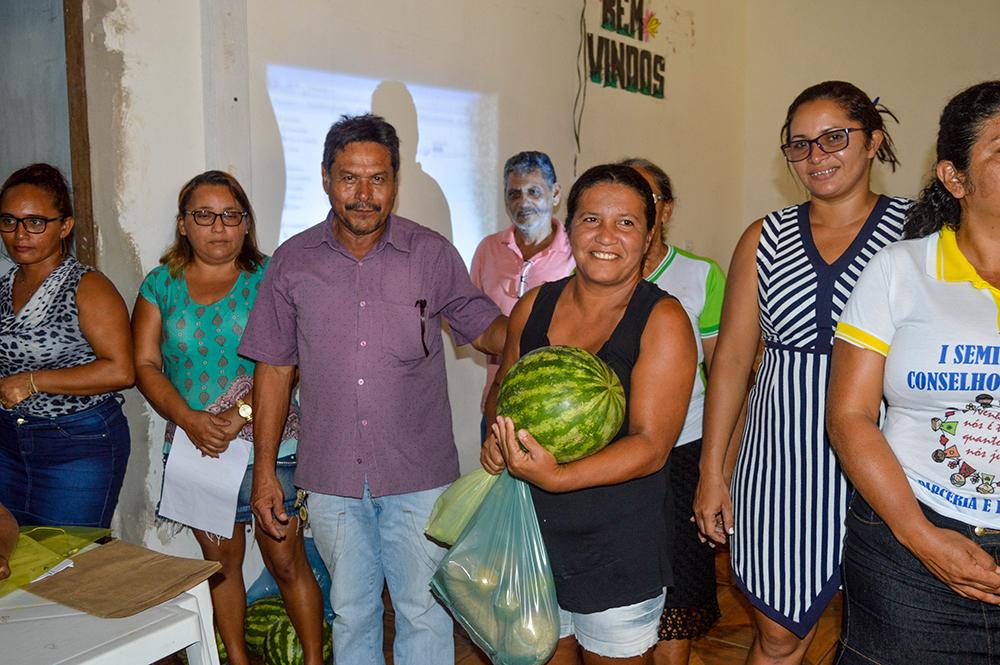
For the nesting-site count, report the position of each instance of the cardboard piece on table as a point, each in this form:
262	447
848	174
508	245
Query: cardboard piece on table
119	579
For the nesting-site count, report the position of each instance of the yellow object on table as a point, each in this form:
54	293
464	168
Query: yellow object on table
28	561
39	548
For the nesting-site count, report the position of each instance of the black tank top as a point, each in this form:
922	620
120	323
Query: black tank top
607	545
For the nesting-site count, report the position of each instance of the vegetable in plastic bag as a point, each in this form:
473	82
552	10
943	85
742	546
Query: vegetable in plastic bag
497	582
453	509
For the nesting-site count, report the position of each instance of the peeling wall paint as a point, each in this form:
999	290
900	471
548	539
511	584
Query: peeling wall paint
136	104
117	255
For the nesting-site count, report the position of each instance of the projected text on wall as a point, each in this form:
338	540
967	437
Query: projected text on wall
448	156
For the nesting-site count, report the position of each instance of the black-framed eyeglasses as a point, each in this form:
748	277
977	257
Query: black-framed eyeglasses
205	217
32	223
829	141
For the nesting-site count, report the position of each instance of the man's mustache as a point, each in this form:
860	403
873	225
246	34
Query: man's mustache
357	205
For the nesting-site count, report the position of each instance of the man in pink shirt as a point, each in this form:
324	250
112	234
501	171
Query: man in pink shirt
533	250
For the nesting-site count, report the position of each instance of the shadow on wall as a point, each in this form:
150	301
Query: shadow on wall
420	197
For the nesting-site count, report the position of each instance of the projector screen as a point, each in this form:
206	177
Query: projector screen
448	148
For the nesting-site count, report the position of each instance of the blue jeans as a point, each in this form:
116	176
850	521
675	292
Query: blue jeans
896	611
67	470
370	540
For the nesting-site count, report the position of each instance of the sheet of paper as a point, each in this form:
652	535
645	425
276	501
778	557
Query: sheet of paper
58	568
201	491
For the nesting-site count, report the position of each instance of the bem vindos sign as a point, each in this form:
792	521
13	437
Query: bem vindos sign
623	64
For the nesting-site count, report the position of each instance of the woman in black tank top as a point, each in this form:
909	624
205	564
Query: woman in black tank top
602	517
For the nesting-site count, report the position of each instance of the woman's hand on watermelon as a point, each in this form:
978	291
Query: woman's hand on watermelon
713	509
490	456
525	457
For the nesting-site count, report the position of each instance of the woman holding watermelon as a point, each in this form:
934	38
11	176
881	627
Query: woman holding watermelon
790	276
602	517
187	323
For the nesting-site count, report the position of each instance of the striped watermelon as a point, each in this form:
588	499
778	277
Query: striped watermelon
261	615
282	645
568	398
223	656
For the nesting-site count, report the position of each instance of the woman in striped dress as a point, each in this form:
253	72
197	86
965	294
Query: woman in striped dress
790	276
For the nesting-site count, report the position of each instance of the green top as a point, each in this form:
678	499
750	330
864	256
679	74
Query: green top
699	284
198	345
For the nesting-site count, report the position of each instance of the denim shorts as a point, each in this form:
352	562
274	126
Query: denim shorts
896	611
620	632
293	503
294	499
64	470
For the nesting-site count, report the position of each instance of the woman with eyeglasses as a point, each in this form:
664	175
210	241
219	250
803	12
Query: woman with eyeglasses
65	351
789	279
921	574
187	323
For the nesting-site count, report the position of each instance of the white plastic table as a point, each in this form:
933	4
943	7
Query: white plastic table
36	631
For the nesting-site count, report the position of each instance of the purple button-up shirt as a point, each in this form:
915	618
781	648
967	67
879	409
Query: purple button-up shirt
366	336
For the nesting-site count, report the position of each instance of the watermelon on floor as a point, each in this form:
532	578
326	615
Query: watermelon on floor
570	400
223	656
261	615
282	645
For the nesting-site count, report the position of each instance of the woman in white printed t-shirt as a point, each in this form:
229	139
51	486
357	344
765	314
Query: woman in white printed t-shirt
921	329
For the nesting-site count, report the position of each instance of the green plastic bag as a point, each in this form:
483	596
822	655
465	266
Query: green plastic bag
453	509
497	582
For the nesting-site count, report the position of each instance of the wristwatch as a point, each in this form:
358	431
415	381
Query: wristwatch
245	410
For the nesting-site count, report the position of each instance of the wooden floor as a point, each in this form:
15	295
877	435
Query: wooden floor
726	644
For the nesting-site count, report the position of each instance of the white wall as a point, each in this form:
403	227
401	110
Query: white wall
912	54
176	88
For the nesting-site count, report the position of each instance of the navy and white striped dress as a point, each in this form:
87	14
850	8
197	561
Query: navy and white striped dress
789	494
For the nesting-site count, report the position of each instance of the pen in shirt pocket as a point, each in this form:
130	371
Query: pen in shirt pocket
422	306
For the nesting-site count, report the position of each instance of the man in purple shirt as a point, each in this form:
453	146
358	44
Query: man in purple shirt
355	303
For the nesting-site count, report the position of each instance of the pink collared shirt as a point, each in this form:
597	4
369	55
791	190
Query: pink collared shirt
500	271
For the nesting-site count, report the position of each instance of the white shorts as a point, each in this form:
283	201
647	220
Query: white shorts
619	632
